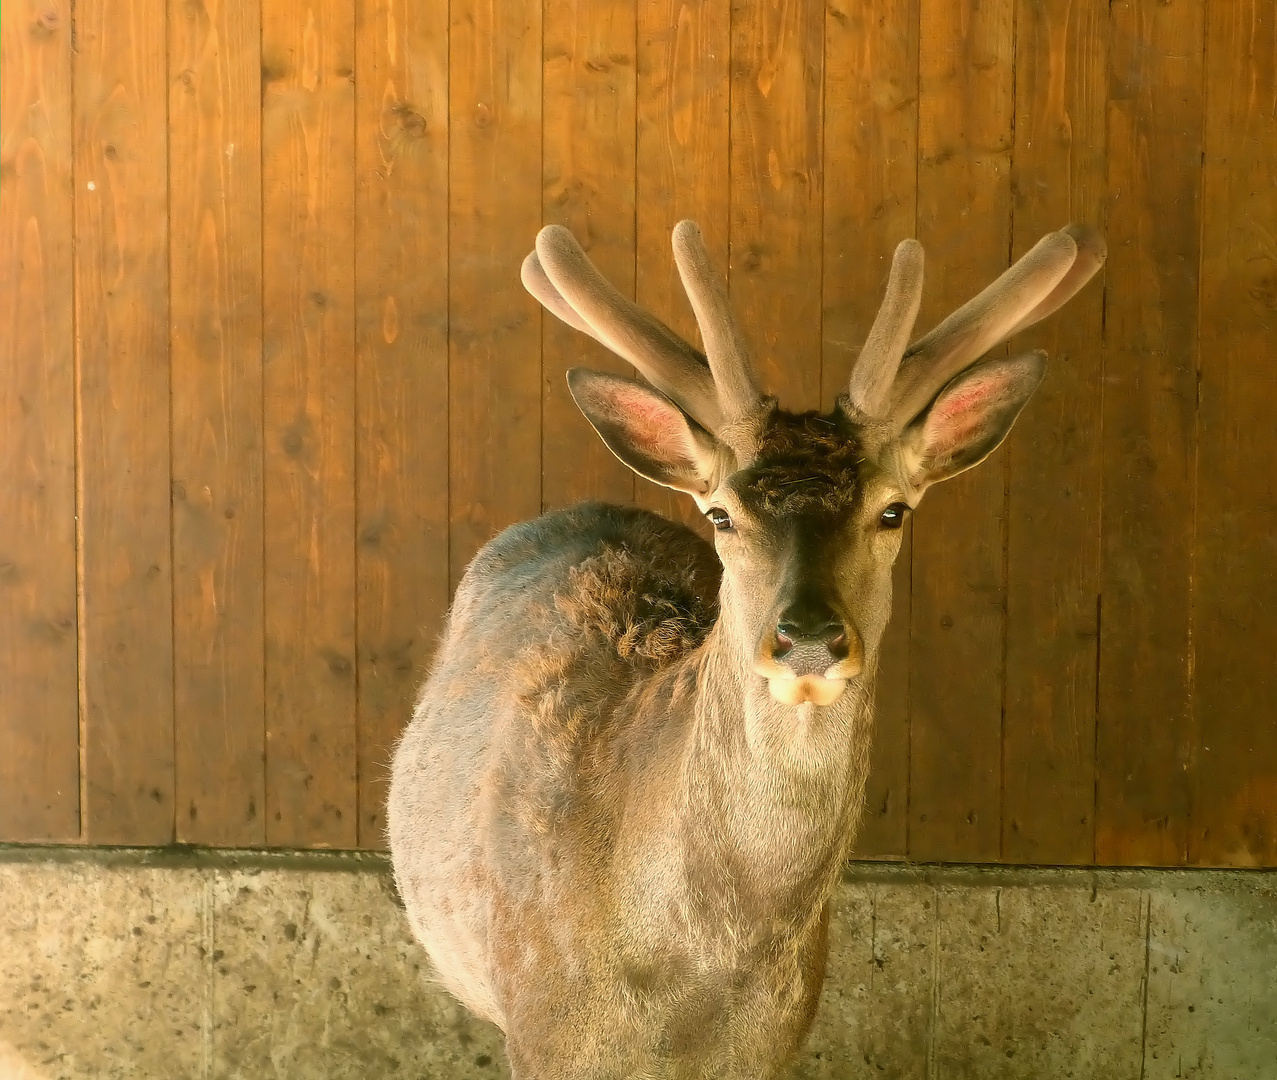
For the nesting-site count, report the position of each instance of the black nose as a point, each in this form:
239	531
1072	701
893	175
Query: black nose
811	622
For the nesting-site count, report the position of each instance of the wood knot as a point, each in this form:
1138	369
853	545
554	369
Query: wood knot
411	121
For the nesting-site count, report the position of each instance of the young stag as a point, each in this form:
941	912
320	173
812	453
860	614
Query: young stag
636	769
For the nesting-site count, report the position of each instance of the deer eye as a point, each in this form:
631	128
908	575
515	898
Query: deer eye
894	516
720	519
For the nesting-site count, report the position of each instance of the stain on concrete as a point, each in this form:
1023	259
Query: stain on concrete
1039	981
100	972
1212	985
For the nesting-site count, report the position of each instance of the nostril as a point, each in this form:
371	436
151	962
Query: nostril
832	634
790	630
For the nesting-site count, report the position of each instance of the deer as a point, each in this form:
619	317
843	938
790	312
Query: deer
635	769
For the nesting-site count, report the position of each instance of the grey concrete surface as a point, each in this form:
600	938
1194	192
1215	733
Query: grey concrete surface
222	966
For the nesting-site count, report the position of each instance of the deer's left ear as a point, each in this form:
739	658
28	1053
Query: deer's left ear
969	418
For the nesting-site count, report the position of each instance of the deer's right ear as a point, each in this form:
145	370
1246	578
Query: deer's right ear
647	431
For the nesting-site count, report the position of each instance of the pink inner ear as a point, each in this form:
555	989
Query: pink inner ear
960	414
653	426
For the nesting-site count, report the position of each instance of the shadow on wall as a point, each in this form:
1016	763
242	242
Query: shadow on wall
227	973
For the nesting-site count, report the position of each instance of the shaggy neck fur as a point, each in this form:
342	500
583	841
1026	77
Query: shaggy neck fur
769	794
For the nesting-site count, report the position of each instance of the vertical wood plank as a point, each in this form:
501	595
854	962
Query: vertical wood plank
870	191
1144	741
588	156
402	335
777	73
682	162
956	650
1053	514
122	342
308	325
494	382
216	320
1235	581
39	708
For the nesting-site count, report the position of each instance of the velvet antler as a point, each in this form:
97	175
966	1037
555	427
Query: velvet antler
891	380
716	390
893	383
561	276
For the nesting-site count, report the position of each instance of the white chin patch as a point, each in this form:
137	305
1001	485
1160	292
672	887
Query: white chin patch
798	690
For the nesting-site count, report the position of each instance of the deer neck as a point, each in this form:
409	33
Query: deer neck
773	791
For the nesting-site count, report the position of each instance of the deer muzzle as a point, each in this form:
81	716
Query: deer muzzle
807	662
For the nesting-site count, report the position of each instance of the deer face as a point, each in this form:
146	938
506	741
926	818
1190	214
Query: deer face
806	508
807	533
808	528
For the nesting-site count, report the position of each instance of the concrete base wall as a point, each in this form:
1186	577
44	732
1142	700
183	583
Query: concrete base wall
217	965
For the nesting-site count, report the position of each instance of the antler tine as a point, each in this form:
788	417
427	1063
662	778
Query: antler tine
668	362
534	279
1091	253
875	369
725	345
982	322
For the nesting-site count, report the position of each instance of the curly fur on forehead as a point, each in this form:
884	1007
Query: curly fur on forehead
804	462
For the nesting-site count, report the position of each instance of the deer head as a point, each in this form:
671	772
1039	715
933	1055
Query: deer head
807	508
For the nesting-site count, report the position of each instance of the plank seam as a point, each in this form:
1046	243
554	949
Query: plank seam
356	640
1006	469
1095	735
917	177
731	84
1193	779
820	203
1099	465
261	377
82	689
168	281
634	193
447	335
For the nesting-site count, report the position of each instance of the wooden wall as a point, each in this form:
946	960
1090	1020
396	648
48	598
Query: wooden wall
268	379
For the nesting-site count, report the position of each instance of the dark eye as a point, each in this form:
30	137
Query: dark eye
720	519
894	516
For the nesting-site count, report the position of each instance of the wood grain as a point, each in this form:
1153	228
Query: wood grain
401	307
494	381
122	352
682	138
308	327
39	708
1234	814
588	164
270	366
870	192
777	76
216	321
957	615
1145	744
1053	515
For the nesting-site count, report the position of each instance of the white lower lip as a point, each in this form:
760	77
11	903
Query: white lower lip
798	690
